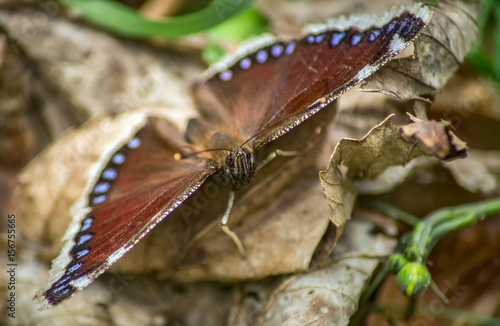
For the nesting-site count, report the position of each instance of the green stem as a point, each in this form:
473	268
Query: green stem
446	220
374	285
486	207
459	222
420	237
389	210
451	219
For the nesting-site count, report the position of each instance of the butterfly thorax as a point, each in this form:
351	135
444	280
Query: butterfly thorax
234	158
239	167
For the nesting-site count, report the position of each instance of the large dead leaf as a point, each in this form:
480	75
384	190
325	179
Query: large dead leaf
190	245
79	72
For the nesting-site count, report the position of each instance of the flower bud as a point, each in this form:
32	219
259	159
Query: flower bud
413	253
397	262
413	279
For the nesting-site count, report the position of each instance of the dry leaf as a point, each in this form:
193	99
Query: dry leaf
76	67
381	148
437	138
473	173
329	296
385	146
272	232
282	238
439	51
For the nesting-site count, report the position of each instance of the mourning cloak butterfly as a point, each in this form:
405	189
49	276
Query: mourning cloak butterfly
248	102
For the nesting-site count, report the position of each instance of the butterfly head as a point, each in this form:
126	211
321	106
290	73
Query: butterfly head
235	158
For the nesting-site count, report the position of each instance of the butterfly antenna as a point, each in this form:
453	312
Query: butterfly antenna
179	156
249	139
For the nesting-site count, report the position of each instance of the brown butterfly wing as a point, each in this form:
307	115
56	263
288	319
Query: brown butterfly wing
140	185
273	89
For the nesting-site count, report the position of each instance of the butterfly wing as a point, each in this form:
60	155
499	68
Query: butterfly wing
274	88
264	94
140	185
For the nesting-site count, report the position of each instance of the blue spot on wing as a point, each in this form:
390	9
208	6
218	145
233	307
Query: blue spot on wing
118	158
83	238
389	27
101	187
337	38
276	50
356	38
374	34
290	47
109	174
134	143
59	292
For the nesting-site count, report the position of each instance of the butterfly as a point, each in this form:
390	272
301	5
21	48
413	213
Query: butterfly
245	103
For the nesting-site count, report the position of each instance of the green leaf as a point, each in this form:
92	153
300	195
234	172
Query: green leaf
126	21
245	24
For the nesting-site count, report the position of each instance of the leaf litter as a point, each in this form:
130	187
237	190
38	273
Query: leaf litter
324	294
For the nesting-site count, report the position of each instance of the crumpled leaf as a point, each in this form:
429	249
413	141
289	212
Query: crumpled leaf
382	147
439	51
385	146
330	295
437	137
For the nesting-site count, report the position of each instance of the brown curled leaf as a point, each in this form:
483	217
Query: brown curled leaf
437	137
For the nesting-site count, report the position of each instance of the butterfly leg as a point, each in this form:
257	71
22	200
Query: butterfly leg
274	154
226	228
